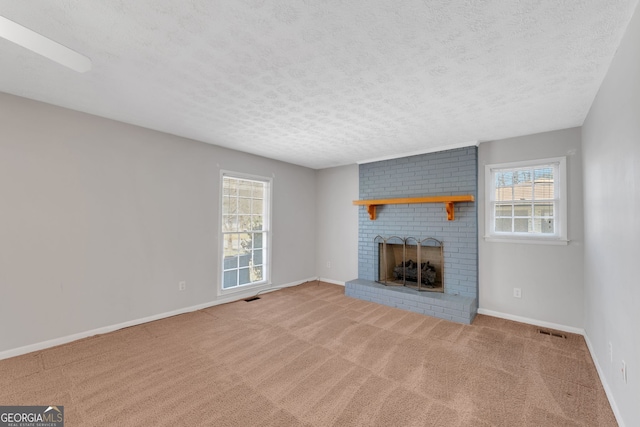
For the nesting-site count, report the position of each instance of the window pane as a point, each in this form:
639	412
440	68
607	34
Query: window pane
244	276
230	262
256	274
504	194
244	206
228	205
503	210
256	222
245	243
522	177
244	259
229	186
258	190
258	240
503	225
543	174
257	257
231	245
521	225
544	190
256	207
504	179
522	210
230	279
543	209
544	226
229	223
244	222
504	186
523	192
244	188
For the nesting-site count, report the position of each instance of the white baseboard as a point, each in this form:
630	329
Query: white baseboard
605	385
529	321
333	282
571	329
105	329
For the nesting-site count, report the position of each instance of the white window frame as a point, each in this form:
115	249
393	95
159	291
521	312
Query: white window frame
560	204
266	282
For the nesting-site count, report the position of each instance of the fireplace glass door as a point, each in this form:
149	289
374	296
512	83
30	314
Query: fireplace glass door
411	262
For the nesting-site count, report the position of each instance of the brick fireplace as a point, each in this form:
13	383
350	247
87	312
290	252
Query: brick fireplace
446	173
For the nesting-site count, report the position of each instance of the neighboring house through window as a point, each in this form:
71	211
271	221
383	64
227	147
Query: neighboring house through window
527	201
245	230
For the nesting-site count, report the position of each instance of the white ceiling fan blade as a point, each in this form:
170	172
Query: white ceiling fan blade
41	45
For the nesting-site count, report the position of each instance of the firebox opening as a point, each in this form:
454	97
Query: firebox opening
410	262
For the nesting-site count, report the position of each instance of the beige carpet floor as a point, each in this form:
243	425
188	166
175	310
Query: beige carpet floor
309	356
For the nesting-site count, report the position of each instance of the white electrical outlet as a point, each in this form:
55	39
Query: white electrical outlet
610	352
624	372
517	293
182	286
328	264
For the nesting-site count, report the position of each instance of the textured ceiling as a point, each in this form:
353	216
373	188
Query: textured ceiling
321	83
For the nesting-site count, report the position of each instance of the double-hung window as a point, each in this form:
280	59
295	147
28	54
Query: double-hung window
245	230
526	201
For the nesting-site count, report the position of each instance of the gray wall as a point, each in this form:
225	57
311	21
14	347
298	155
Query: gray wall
550	277
100	220
450	172
337	223
611	144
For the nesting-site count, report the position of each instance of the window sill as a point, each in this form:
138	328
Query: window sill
244	288
527	240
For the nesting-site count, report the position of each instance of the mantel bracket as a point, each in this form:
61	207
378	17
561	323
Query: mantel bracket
371	209
451	212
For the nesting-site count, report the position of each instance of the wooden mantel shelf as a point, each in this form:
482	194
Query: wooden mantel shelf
447	200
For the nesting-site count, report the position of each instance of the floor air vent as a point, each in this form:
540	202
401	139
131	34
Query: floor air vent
551	333
252	299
